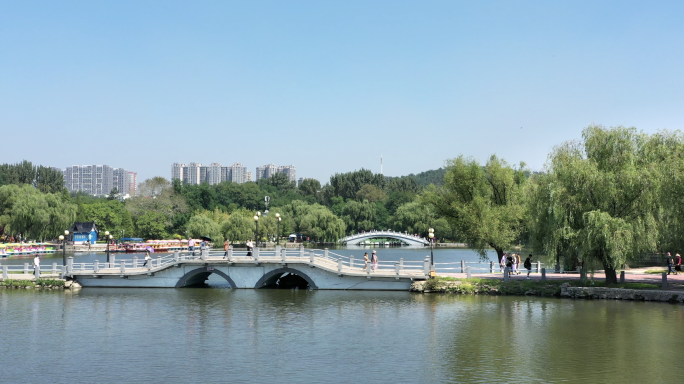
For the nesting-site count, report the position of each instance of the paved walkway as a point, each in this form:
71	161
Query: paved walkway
631	276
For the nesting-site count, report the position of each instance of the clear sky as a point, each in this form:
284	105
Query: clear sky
329	86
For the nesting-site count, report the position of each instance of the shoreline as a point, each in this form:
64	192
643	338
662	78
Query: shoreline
570	289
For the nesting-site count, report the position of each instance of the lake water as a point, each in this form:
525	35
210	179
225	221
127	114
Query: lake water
217	335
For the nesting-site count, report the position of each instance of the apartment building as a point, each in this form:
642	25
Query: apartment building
269	170
97	180
215	173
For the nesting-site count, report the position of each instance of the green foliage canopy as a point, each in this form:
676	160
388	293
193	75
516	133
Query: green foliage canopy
601	198
484	204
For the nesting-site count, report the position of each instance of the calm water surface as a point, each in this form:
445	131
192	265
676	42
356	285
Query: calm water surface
282	336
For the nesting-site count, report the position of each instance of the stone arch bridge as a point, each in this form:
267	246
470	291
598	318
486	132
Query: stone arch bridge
407	239
313	269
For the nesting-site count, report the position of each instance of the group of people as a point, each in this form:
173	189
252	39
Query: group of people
676	262
512	261
373	260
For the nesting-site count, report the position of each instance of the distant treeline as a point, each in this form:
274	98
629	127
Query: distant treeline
349	203
426	178
46	179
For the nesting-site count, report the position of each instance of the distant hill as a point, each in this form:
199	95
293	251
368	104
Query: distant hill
434	176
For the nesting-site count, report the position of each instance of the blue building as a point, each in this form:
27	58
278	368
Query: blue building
82	233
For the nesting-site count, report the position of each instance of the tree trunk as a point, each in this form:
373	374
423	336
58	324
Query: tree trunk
611	277
499	253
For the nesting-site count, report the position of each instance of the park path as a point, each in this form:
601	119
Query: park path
631	276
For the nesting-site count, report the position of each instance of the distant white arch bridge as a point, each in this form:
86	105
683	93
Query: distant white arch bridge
361	238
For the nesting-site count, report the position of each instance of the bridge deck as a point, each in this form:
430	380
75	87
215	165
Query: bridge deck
404	237
322	263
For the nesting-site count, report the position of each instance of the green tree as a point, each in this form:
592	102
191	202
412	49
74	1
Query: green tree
600	199
49	180
279	182
484	204
153	187
25	210
397	199
426	178
169	209
370	193
359	216
240	226
203	225
314	220
413	218
151	225
309	187
321	225
110	215
403	184
347	185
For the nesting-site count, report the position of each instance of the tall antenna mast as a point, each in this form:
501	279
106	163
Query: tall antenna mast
381	165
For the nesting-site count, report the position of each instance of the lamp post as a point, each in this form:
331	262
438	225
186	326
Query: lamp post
278	230
107	240
63	239
256	220
431	235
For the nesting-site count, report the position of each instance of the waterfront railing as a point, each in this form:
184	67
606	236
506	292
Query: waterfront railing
324	258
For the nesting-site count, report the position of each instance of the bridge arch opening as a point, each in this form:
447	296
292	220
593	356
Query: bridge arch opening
285	278
198	278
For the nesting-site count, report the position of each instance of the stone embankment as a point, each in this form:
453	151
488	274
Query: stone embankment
41	284
596	293
547	289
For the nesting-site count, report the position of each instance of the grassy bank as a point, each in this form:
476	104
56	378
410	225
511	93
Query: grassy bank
38	284
477	286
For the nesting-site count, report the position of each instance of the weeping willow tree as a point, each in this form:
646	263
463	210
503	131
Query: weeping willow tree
600	198
25	210
485	205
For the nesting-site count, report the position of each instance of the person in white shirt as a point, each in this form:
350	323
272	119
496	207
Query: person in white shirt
36	264
250	246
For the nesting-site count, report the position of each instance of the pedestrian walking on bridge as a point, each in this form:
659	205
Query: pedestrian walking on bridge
678	263
375	260
226	244
191	246
250	246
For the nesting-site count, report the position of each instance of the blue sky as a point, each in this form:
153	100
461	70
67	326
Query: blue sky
329	86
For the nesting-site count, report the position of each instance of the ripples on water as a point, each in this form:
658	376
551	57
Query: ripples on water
283	336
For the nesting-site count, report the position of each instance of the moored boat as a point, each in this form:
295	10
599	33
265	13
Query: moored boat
25	249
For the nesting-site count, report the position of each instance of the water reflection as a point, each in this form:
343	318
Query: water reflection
209	335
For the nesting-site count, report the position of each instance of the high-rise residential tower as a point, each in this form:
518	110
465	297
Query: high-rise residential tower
215	173
98	180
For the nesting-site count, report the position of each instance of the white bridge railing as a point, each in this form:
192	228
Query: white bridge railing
314	257
322	258
390	234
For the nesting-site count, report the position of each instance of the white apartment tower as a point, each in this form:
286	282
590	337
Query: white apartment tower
269	170
215	173
98	180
